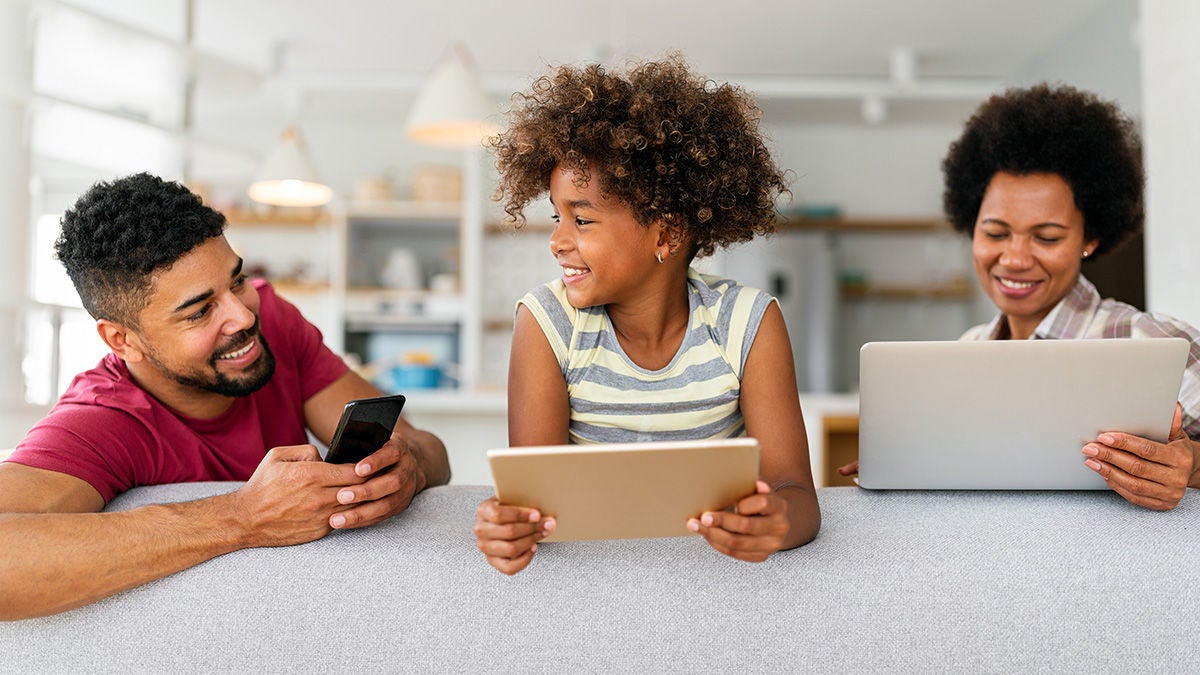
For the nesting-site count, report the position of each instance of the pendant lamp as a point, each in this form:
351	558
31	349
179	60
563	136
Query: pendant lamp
287	177
451	108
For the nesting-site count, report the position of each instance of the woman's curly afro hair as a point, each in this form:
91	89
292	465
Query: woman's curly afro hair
665	142
120	233
1059	130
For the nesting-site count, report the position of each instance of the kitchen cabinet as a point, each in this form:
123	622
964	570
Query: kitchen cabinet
385	282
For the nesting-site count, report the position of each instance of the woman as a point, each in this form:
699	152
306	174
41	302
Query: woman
1041	179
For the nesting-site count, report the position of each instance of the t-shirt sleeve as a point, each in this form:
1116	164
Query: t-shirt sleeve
316	362
550	309
99	445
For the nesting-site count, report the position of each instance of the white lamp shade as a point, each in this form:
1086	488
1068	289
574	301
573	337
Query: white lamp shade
451	109
287	177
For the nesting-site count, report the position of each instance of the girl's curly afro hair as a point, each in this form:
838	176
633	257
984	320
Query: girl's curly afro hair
665	142
1052	129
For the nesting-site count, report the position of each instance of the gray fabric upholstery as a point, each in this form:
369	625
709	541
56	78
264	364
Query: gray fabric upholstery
896	581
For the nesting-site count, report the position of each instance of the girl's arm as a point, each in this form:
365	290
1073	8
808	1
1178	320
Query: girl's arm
538	409
784	512
538	414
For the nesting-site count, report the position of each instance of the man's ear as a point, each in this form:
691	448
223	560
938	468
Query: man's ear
122	340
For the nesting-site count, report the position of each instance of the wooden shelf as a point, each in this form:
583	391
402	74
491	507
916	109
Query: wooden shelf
954	290
286	287
856	224
839	224
277	217
404	210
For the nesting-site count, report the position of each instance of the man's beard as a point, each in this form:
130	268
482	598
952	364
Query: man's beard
253	379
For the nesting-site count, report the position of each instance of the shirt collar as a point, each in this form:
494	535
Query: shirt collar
1071	313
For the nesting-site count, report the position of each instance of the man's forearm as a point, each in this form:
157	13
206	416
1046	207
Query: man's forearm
55	562
431	455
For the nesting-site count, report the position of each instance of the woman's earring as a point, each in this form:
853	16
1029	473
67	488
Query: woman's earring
658	254
1086	253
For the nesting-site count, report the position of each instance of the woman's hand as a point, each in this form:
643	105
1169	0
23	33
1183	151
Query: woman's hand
508	535
1144	472
753	531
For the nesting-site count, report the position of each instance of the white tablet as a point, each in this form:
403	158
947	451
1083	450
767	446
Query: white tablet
626	490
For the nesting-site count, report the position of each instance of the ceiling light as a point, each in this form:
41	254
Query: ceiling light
287	177
451	109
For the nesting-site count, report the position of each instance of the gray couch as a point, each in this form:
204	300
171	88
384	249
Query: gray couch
896	581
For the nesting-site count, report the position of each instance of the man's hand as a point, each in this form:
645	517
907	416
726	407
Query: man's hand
1146	473
753	531
388	479
290	497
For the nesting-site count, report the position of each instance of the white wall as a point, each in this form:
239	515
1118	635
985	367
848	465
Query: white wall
889	170
1171	126
1101	55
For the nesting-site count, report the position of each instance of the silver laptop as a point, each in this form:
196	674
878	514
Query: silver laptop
1007	414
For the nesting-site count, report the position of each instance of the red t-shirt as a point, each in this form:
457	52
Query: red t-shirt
108	431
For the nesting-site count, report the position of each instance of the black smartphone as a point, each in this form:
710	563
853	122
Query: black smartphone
366	424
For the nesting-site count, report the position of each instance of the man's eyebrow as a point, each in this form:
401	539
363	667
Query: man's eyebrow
193	300
201	297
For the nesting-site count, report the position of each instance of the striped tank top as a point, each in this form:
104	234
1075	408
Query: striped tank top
694	397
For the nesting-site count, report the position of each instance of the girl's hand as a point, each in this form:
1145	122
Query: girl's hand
508	535
753	531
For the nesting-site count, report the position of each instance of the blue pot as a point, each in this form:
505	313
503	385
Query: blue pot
416	377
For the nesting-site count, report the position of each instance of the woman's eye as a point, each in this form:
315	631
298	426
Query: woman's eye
1049	240
995	236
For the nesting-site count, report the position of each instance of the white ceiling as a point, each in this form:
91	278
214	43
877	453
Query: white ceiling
363	58
348	70
724	39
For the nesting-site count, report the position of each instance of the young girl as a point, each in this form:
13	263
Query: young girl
646	171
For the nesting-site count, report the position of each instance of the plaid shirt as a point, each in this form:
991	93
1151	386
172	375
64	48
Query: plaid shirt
1083	315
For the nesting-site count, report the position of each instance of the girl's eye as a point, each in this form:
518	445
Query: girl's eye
581	222
556	218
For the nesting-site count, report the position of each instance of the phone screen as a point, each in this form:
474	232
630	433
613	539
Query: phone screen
366	425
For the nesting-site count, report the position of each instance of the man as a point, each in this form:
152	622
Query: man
211	377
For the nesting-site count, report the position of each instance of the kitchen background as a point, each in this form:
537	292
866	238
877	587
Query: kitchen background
409	270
